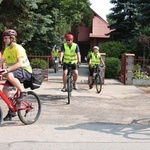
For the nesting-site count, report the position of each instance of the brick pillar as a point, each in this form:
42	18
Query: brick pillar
127	67
103	55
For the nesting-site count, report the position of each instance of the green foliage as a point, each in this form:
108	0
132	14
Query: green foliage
138	74
113	67
38	63
43	23
113	49
128	17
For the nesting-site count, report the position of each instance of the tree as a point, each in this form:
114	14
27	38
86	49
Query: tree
124	17
144	40
144	17
43	23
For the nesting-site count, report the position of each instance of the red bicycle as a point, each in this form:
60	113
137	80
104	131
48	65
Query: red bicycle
28	109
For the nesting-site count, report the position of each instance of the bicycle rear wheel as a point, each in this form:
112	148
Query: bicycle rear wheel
29	109
1	115
98	83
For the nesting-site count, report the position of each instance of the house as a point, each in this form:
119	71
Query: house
95	35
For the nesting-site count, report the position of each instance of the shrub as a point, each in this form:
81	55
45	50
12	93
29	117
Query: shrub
138	74
113	67
38	63
113	49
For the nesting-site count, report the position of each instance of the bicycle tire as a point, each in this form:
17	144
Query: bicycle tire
1	115
29	109
98	83
55	70
69	89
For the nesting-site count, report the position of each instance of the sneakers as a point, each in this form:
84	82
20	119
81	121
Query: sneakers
22	96
64	89
74	86
9	116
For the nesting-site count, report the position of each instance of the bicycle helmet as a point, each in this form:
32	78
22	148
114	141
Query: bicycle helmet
69	37
9	32
96	47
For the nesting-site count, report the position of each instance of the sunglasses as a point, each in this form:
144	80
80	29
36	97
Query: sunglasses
68	40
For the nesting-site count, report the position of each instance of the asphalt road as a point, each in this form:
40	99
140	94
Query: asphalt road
117	118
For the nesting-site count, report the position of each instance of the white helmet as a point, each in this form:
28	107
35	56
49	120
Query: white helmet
96	47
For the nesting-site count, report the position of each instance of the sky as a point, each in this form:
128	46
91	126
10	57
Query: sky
101	7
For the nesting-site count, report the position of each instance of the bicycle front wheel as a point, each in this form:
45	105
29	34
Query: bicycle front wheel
69	90
98	83
29	109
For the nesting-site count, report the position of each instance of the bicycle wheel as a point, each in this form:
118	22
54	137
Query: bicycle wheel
55	68
69	89
1	115
29	109
98	83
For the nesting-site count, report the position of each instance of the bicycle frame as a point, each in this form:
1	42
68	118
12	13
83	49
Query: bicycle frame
97	70
24	107
70	75
10	103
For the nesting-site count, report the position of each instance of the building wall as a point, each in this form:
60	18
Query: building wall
99	27
83	34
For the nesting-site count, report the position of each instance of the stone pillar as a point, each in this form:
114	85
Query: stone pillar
127	66
103	55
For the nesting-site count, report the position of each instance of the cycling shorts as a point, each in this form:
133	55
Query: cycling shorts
74	66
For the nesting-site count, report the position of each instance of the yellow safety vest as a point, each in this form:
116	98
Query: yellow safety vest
95	60
11	56
55	53
70	55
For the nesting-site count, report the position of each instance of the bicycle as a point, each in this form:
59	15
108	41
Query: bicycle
97	78
28	110
56	61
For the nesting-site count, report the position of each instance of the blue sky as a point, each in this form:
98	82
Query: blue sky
101	7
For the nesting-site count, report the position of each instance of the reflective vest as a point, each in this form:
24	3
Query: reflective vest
89	54
95	60
11	56
70	55
56	53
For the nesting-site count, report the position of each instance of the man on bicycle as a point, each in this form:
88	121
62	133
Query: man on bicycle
95	59
18	69
70	54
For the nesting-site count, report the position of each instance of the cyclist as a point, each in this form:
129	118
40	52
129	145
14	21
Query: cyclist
95	59
70	53
18	69
56	54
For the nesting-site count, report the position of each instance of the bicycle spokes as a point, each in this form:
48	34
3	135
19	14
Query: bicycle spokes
29	109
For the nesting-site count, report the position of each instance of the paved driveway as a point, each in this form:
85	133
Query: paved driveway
117	118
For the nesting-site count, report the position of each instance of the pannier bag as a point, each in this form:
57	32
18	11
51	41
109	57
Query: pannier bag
35	81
